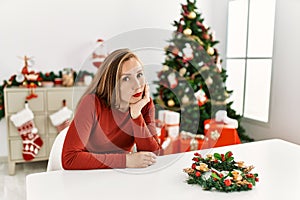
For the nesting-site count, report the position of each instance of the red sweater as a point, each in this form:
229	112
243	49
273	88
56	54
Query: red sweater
100	137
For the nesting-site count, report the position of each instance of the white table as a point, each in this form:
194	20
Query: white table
276	161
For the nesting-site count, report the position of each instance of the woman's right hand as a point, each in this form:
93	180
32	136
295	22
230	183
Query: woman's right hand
140	159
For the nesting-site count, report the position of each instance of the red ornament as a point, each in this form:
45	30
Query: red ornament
206	36
198	174
250	186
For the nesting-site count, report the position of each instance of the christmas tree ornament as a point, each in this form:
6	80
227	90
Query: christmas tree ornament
201	26
182	71
192	15
171	103
205	36
187	31
173	82
187	53
209	81
32	142
165	68
210	51
175	51
185	99
200	63
201	97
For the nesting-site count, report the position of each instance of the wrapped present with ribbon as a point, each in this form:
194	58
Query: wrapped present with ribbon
192	142
168	130
221	131
170	123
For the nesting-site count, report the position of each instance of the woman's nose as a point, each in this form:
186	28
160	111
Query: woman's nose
136	83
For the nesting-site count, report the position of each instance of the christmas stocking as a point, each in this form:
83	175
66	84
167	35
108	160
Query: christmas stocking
61	118
32	142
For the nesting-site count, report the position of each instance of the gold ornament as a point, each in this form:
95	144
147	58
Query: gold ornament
187	31
210	51
165	68
182	71
185	99
209	81
171	103
192	15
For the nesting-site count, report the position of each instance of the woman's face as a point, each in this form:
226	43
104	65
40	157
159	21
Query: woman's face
132	82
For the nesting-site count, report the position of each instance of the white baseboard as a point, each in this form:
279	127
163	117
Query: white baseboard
3	159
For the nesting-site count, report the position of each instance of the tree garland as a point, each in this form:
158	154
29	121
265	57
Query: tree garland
220	172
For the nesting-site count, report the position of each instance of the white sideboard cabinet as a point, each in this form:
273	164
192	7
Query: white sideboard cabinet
49	101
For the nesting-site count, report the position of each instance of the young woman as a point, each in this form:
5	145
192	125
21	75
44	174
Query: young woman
115	113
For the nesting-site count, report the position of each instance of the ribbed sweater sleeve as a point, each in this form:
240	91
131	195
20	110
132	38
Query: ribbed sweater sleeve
75	155
144	130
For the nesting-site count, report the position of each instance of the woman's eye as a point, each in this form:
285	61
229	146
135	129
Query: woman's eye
126	78
140	75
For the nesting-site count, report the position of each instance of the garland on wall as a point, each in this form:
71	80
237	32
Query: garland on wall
30	79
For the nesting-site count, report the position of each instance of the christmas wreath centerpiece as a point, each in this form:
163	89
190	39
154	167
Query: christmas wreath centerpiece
221	172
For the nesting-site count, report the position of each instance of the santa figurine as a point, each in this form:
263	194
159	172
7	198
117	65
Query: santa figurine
99	54
31	78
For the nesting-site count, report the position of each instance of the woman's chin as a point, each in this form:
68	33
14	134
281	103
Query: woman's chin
134	99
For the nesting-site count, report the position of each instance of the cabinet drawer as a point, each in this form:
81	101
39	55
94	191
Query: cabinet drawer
51	129
55	98
39	121
16	101
50	144
16	147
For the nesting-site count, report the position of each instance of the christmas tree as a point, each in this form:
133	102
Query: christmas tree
192	80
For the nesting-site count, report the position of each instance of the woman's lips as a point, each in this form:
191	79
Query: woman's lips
138	94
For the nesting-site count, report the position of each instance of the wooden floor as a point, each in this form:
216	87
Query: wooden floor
13	187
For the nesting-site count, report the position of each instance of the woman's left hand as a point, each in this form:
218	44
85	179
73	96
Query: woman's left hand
136	108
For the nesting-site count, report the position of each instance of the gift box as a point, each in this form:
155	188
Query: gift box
191	142
169	124
220	133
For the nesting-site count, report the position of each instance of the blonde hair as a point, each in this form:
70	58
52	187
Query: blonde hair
105	83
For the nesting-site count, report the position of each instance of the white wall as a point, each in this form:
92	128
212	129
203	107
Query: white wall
63	33
285	96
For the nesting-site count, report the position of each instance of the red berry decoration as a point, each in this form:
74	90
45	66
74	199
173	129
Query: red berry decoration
227	182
